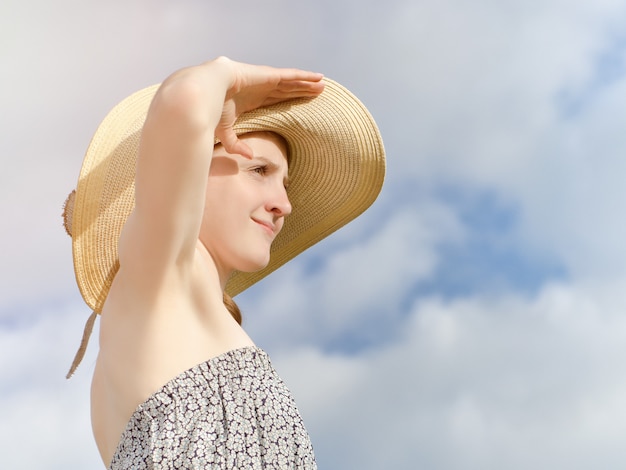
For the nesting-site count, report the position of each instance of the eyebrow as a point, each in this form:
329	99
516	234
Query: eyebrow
274	167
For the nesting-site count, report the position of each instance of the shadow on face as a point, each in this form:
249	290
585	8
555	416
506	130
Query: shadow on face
223	164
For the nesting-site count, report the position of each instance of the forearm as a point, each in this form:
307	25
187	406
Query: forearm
176	150
192	98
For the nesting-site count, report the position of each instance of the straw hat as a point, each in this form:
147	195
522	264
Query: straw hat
336	169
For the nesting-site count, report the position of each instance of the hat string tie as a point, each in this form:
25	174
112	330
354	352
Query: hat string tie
83	344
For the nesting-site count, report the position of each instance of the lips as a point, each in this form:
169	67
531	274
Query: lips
269	227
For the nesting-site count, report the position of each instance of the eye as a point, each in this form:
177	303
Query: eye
261	170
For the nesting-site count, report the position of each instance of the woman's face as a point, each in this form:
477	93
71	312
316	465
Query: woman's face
246	204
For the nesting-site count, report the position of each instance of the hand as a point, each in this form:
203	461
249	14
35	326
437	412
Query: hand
256	86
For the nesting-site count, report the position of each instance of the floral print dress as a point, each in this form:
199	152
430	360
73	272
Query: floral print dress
230	412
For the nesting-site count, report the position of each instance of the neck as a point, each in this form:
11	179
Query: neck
219	275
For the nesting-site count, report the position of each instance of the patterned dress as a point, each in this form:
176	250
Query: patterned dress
230	412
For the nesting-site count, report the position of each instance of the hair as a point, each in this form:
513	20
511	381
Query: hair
229	303
232	308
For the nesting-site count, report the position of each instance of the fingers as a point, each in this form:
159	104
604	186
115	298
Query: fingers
300	83
287	90
258	86
296	86
288	74
296	75
291	90
233	145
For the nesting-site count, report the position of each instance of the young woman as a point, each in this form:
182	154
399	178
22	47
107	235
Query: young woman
182	193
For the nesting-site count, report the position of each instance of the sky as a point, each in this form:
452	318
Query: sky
473	318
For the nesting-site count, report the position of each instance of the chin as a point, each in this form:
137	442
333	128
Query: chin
252	266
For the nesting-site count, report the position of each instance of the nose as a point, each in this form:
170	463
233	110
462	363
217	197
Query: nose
280	205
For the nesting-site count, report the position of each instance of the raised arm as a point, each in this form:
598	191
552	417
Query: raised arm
190	108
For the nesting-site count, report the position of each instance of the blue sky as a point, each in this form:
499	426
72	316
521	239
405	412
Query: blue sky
473	318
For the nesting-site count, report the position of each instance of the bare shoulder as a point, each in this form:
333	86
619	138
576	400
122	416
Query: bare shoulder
152	331
147	340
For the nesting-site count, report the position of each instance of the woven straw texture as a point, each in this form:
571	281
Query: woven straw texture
336	169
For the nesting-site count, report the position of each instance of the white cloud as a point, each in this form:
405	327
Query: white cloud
477	384
45	418
577	187
510	382
358	284
508	97
481	91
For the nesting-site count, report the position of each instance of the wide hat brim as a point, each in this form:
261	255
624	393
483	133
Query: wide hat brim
336	168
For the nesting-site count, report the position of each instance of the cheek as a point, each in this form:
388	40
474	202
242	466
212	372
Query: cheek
225	208
223	166
217	209
280	223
